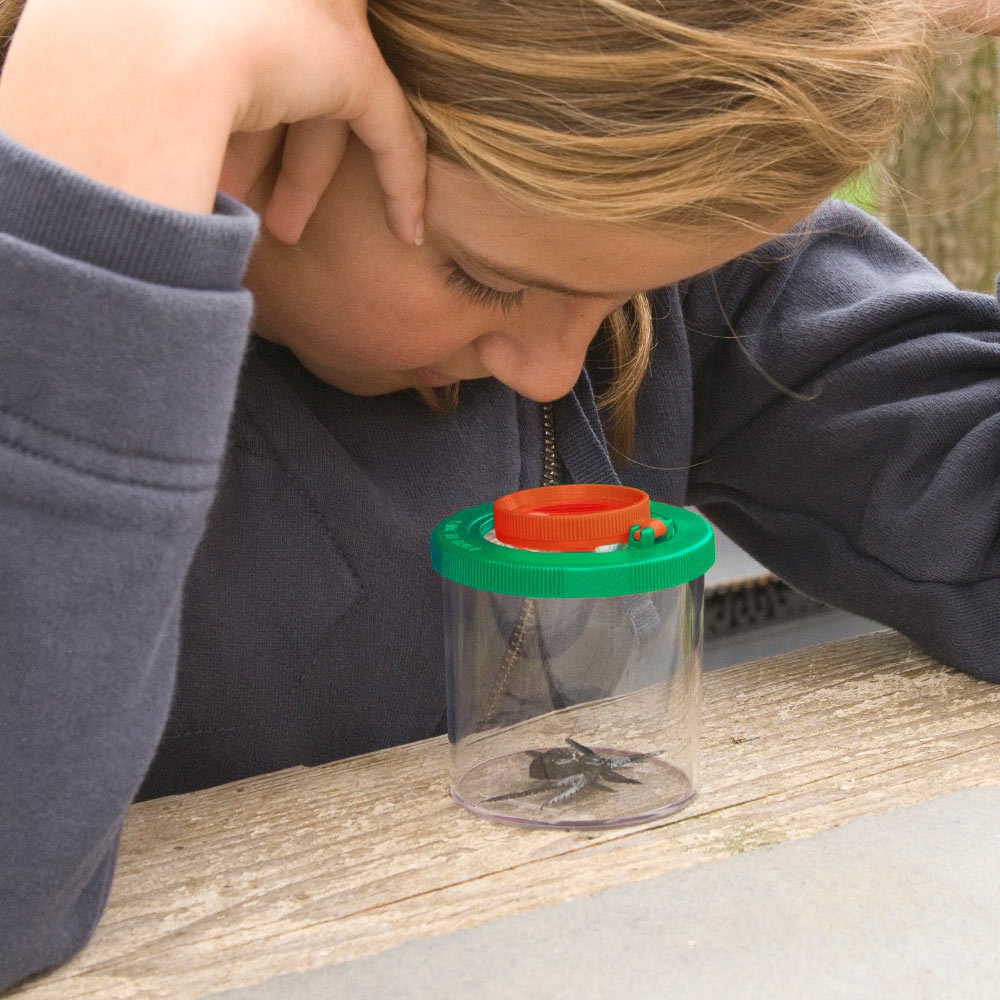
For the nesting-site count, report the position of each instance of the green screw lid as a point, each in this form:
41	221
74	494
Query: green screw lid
464	551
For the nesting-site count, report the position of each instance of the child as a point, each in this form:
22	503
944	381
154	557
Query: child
214	557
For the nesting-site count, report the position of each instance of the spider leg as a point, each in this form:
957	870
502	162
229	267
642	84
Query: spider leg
608	775
575	781
595	782
623	761
517	795
632	758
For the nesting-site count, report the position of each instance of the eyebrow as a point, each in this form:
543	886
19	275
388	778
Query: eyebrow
523	277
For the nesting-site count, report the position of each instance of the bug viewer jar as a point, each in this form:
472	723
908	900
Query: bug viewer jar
573	620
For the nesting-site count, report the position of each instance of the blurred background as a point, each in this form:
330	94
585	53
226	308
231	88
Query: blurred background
943	196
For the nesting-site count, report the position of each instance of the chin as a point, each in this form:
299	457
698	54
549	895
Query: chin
356	385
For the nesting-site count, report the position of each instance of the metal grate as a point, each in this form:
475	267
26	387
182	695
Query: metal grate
755	603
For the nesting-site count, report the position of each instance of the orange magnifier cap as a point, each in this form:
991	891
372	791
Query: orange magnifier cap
577	517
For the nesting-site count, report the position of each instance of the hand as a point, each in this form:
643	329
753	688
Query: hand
182	96
976	16
292	83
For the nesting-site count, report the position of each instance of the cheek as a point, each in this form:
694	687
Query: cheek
416	313
401	324
389	303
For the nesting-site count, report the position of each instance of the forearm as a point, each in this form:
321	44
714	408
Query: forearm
117	92
863	468
147	96
123	330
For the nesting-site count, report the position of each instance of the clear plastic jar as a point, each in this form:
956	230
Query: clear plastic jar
573	654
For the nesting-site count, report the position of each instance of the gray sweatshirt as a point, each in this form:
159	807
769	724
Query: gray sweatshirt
214	565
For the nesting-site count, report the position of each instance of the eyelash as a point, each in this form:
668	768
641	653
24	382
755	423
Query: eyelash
484	295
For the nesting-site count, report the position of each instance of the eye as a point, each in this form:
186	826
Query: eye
484	295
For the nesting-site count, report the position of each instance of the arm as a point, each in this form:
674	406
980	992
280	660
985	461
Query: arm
123	327
178	96
863	465
123	330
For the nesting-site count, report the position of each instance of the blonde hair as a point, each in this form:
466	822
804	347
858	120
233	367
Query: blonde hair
686	117
10	14
682	116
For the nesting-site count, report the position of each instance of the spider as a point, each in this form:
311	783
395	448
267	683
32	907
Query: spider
568	772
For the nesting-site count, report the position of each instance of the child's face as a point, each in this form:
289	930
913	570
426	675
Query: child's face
492	292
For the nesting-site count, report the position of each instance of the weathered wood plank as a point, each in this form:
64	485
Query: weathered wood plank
292	871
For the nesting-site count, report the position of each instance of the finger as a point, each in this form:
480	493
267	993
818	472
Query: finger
398	143
247	156
312	152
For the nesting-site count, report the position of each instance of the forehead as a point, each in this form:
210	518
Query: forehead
467	218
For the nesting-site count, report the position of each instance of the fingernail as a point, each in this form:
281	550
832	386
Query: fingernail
418	233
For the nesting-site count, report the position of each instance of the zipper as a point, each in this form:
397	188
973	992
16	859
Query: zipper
552	475
552	470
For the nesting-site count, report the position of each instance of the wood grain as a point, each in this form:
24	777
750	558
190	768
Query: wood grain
295	870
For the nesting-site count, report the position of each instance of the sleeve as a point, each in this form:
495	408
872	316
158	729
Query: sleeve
122	329
847	429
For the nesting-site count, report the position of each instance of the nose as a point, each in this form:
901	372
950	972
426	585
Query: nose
539	352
